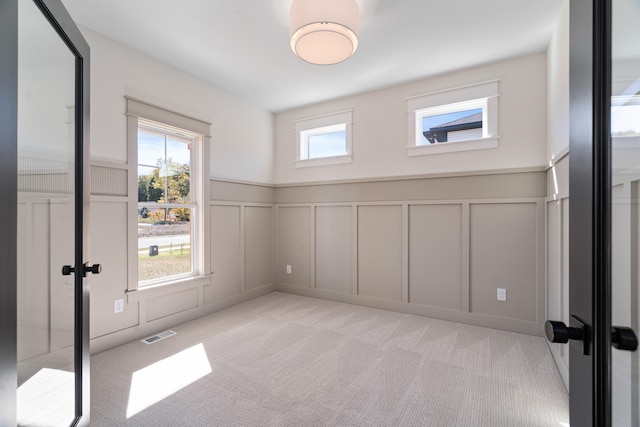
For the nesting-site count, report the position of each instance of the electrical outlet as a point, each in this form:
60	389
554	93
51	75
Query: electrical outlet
118	306
288	269
502	294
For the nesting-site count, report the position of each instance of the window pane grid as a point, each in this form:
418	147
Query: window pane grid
166	209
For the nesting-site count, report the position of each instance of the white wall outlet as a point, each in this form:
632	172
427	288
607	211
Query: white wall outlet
118	306
502	294
288	269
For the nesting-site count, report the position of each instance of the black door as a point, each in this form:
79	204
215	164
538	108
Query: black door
44	128
604	227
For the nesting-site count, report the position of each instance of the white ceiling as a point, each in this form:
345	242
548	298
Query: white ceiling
242	46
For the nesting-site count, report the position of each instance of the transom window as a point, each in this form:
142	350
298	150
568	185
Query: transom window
324	140
329	141
459	119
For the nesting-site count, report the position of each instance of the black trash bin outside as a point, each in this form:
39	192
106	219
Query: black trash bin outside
153	250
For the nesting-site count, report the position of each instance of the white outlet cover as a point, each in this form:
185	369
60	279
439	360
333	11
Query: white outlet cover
118	306
502	294
288	269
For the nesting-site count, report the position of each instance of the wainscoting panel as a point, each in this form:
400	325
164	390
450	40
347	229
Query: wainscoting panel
33	287
259	247
557	256
555	306
62	296
48	176
334	248
108	181
167	305
294	244
226	253
224	191
380	251
435	255
438	247
489	186
111	284
503	254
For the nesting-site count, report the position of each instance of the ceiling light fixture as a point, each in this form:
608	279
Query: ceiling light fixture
324	32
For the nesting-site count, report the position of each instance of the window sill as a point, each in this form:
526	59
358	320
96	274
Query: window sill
453	147
166	288
325	161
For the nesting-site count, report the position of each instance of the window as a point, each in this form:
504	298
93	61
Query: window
324	140
170	159
165	205
455	120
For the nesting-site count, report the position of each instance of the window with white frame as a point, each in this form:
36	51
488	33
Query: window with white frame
168	171
166	203
324	140
459	119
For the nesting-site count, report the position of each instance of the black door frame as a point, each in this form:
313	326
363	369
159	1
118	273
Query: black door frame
590	213
61	22
9	197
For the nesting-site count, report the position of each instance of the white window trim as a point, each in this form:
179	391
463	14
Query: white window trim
323	124
140	111
482	95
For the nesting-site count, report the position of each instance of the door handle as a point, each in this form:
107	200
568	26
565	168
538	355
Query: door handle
93	269
624	338
558	332
86	268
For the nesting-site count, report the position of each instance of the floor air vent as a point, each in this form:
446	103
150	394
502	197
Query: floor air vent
158	337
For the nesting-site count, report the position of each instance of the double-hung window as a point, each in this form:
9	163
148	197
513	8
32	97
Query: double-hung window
459	119
166	203
168	175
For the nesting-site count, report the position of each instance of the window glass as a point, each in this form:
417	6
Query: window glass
327	144
451	127
165	210
324	140
454	120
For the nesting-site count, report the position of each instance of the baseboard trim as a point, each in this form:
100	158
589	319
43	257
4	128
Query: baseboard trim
475	319
106	342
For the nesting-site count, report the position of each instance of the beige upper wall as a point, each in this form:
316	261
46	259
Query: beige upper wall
380	127
242	134
558	88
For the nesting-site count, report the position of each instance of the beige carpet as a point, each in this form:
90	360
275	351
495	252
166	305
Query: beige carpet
286	360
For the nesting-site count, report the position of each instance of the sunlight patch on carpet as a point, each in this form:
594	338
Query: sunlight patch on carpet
160	380
47	399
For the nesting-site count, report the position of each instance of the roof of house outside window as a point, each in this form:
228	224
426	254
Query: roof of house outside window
439	133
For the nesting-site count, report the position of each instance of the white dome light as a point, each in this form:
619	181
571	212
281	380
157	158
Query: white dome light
324	32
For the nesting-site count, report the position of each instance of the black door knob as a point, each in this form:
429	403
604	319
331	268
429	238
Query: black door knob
561	333
67	270
93	269
624	338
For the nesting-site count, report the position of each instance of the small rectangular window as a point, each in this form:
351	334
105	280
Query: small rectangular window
451	127
328	141
324	140
454	120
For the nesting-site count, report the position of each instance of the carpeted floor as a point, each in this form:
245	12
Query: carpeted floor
286	360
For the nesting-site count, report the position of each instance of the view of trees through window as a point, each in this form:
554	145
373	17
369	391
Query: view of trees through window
165	209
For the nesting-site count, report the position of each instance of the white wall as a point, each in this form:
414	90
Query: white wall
558	88
242	134
380	127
